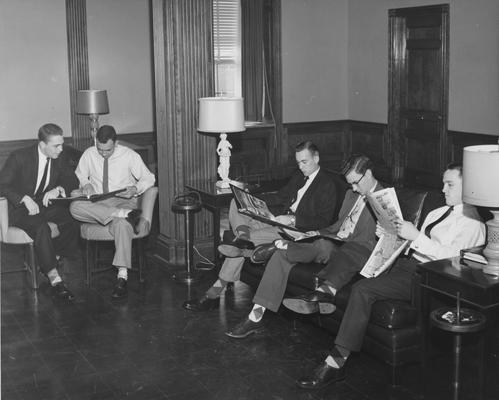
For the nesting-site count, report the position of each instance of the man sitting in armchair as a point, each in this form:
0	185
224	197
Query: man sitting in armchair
445	231
309	201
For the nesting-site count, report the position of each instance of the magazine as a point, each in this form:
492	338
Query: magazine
93	198
299	236
256	208
385	206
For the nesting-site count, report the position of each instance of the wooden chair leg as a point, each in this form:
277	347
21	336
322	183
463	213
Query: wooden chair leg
142	259
31	267
88	261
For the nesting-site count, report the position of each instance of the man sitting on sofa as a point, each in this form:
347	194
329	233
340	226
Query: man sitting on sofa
356	227
309	200
445	231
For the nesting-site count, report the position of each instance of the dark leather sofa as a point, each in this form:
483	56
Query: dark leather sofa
393	332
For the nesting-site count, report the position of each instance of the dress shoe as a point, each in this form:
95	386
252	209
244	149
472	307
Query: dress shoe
133	218
262	253
202	304
228	250
310	303
61	292
120	289
322	376
245	328
241	243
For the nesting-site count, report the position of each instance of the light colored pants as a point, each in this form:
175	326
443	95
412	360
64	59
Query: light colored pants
120	228
260	233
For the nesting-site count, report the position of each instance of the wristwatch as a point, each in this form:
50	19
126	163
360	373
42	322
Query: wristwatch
293	219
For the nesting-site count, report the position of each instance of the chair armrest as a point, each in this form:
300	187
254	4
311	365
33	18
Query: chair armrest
4	218
147	201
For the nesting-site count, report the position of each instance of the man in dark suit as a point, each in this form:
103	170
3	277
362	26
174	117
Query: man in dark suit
308	202
30	179
356	227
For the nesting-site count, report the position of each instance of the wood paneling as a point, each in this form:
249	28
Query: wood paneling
76	26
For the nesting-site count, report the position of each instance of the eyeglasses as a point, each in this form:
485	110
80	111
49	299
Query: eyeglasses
358	180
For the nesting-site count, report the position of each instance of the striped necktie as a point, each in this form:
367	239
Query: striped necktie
434	223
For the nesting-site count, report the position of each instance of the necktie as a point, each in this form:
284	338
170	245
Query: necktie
43	182
305	179
105	178
434	223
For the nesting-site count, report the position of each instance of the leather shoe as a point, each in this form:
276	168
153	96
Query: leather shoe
133	218
310	303
202	304
322	376
241	243
61	292
245	328
120	289
262	253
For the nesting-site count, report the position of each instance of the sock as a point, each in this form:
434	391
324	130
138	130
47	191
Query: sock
216	289
338	357
120	213
325	288
281	244
54	277
256	313
123	273
243	232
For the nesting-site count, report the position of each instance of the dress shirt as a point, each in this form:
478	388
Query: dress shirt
126	168
463	228
42	160
303	189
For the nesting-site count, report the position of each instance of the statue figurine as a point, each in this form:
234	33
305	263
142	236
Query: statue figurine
223	151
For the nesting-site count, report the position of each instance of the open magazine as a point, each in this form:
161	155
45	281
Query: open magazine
385	206
93	198
255	207
299	236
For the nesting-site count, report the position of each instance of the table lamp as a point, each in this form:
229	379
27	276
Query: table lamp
222	115
93	103
481	188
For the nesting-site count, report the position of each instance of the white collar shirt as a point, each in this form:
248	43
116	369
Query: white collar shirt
303	189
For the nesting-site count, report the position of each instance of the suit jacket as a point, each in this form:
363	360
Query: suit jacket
19	174
365	229
317	207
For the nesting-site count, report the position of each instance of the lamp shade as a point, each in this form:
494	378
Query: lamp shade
92	102
221	114
481	175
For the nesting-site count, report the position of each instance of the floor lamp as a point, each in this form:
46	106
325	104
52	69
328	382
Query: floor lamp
222	115
93	103
481	188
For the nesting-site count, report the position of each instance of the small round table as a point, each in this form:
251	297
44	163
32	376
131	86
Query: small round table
458	321
187	205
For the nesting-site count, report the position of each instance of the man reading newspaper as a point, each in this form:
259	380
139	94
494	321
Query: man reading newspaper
309	202
445	231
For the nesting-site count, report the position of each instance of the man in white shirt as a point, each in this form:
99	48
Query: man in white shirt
104	168
445	231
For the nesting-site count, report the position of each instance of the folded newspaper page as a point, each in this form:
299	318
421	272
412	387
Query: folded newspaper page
298	236
386	207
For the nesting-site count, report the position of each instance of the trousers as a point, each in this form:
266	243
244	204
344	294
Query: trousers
101	212
37	228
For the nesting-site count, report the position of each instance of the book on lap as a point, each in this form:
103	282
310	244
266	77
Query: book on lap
92	198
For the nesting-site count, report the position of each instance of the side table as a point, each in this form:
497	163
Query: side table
477	290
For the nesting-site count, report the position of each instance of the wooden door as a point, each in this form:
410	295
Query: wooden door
418	93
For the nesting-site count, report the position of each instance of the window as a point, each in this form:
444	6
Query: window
227	47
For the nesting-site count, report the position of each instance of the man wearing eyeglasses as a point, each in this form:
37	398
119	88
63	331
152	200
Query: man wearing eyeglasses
355	228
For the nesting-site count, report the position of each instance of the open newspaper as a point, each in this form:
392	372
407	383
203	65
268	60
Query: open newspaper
386	207
298	236
256	208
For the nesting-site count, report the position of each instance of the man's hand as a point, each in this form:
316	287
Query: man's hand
130	192
286	219
87	190
30	205
380	231
53	194
407	230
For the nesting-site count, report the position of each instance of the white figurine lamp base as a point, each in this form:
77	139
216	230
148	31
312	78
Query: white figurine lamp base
223	151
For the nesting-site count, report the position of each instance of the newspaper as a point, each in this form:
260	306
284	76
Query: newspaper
385	206
92	198
301	236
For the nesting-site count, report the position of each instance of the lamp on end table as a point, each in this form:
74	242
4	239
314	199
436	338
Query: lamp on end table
222	115
93	103
481	188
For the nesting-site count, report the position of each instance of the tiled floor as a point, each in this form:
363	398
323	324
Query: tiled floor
149	347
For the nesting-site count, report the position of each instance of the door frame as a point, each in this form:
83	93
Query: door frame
396	87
